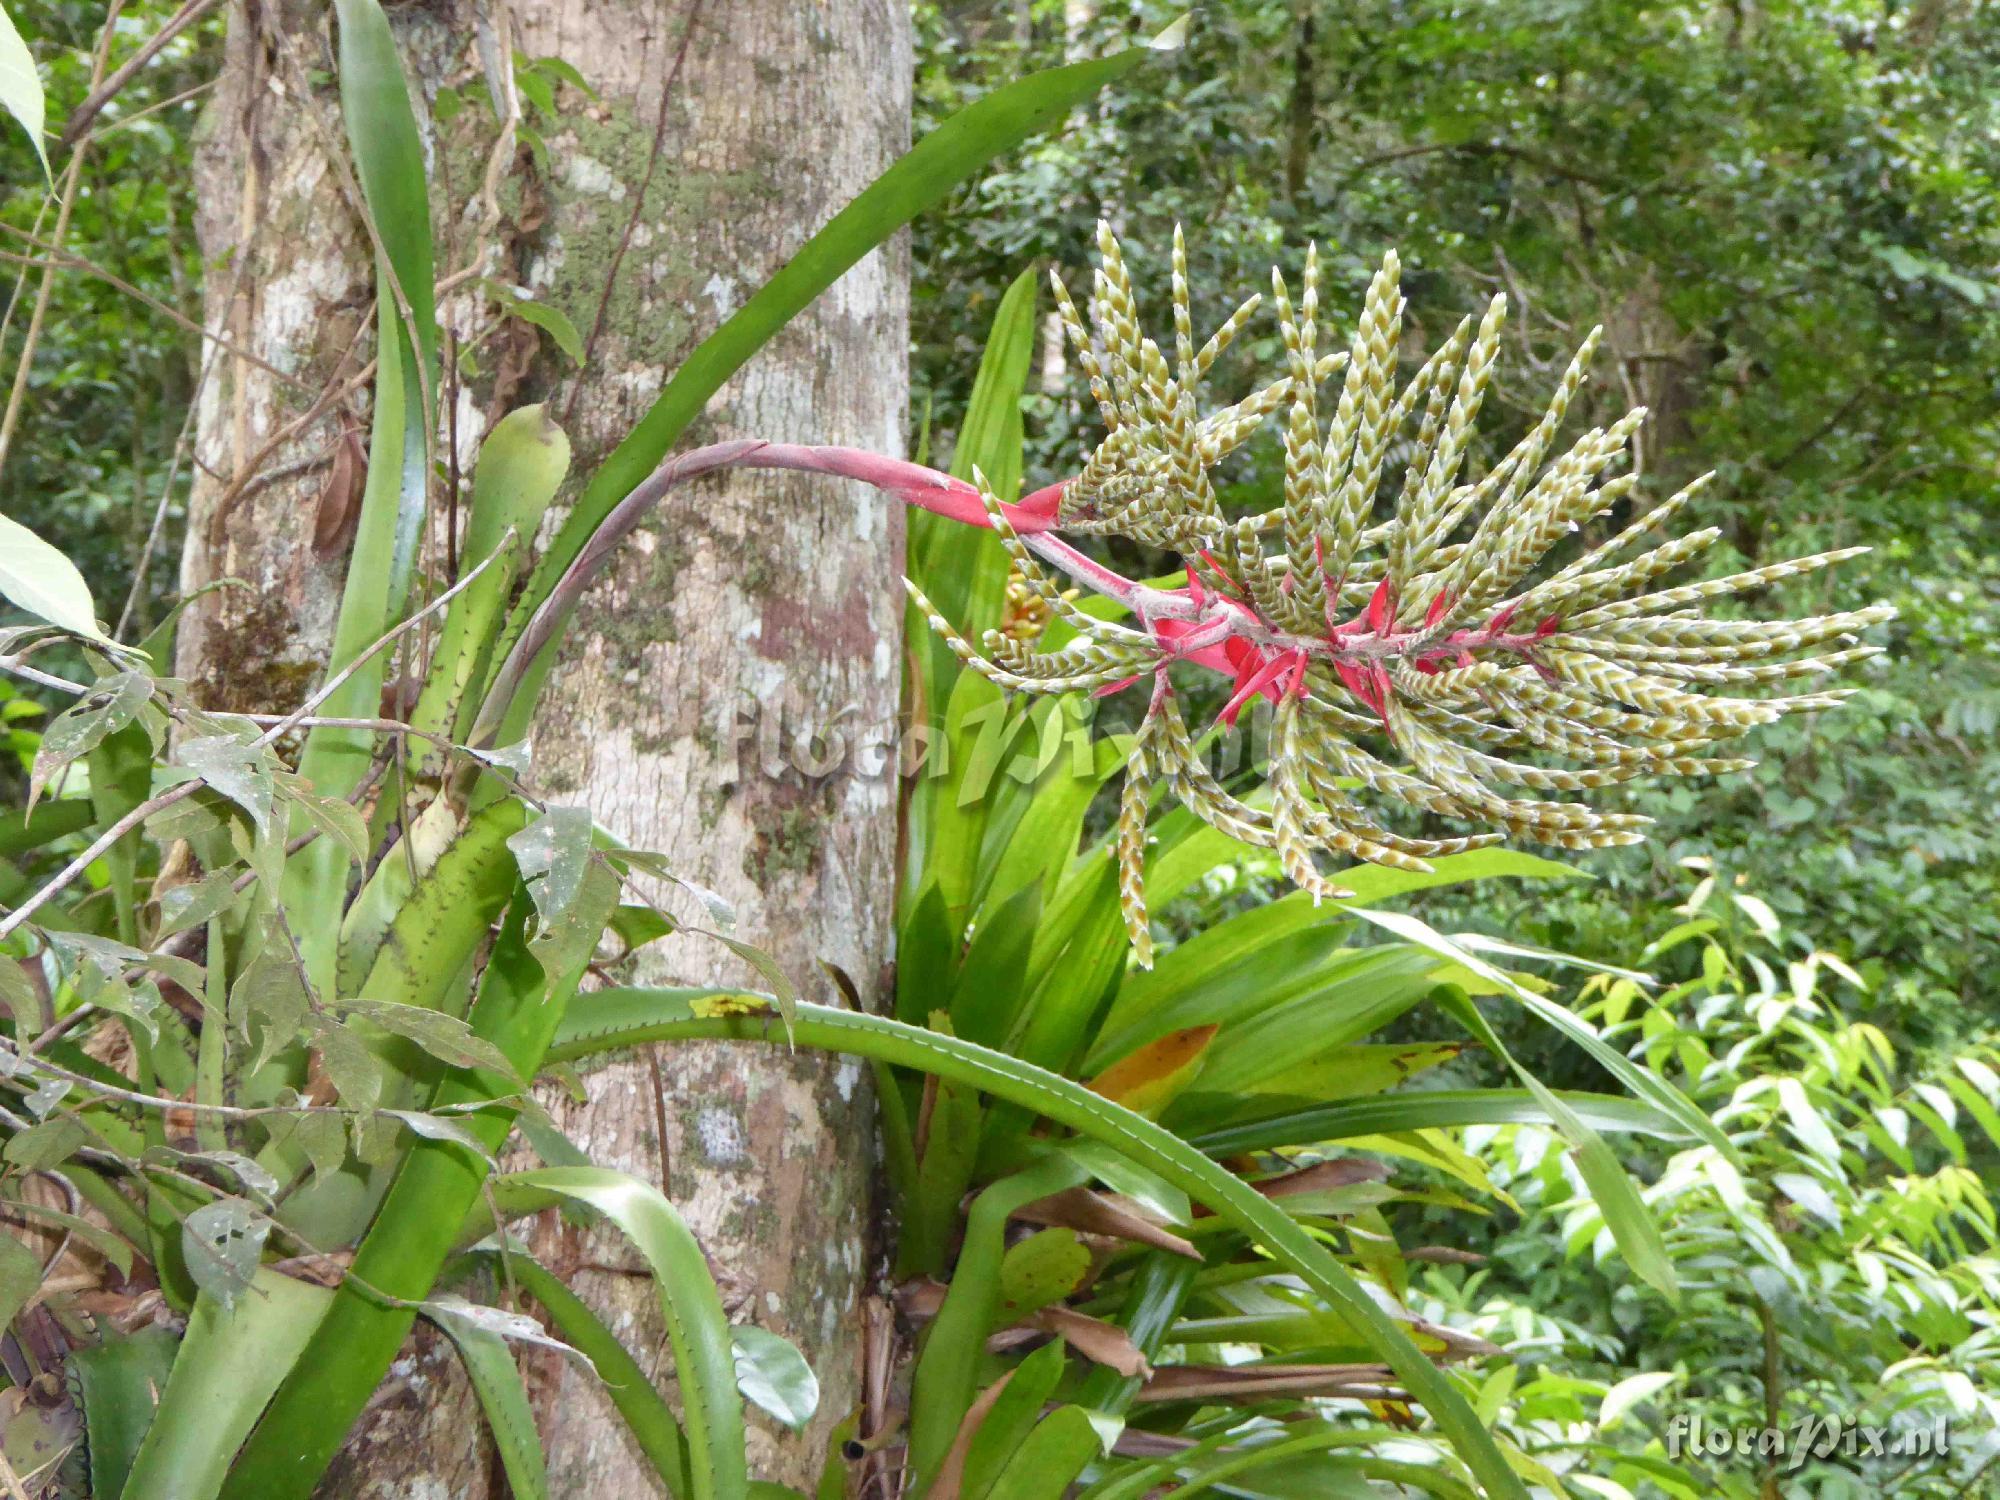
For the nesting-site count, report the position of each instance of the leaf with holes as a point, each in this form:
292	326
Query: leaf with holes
515	1327
111	704
222	1242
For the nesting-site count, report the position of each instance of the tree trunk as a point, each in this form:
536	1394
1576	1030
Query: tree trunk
752	613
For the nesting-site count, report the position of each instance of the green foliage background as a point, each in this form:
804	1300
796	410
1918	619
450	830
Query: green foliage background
112	376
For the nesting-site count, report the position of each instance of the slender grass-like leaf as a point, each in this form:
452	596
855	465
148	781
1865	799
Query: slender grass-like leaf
647	1416
1432	1109
388	159
963	569
496	1380
1644	1083
1625	1212
711	1408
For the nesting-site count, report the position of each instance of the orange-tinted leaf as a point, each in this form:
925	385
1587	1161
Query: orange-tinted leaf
1147	1080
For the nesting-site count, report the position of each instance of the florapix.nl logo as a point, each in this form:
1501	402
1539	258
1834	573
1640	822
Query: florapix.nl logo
1791	1446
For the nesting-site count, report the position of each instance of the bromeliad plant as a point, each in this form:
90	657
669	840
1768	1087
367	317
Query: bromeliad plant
1422	630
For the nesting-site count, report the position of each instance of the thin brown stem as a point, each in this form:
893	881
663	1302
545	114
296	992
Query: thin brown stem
102	93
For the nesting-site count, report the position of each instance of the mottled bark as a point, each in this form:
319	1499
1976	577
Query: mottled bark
751	597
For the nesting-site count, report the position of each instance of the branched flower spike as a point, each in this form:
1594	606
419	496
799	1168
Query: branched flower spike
1422	659
1411	657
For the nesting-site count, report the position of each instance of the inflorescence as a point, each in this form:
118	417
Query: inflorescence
1424	631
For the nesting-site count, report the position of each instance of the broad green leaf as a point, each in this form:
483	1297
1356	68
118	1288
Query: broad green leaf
111	704
105	1242
375	907
33	575
1044	840
389	159
1149	1078
48	1143
1011	1417
223	1241
21	96
1042	1269
945	1171
1145	1188
1353	999
551	320
552	852
441	1128
268	1001
1358	1068
237	769
520	467
226	1369
20	1274
926	954
987	998
447	1038
185	906
119	1382
1342	992
1048	1462
356	1073
23	832
1629	1392
774	1376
